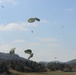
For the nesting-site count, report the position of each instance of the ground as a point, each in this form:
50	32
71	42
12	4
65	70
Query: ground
13	72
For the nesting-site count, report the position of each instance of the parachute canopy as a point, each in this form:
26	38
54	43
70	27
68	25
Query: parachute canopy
29	51
37	19
12	51
31	20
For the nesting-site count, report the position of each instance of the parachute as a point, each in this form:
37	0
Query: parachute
37	19
29	51
12	51
62	26
31	20
31	55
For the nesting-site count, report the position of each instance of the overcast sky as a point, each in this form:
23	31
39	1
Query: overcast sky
54	36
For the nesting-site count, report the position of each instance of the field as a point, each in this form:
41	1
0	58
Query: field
45	73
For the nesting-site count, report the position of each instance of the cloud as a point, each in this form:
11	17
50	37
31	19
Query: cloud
48	22
23	26
42	42
48	42
47	39
41	45
54	44
5	48
33	44
18	41
28	24
44	21
69	9
13	26
8	1
17	26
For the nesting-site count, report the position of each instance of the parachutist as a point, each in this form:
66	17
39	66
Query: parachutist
2	17
55	57
62	26
32	31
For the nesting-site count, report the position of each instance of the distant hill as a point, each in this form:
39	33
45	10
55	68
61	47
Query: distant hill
45	63
69	66
71	62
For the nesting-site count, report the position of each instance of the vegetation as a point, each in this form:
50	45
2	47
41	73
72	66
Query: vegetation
21	66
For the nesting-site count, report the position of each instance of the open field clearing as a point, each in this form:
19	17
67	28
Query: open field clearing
43	73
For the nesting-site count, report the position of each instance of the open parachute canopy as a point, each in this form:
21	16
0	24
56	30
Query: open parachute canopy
29	51
37	19
12	51
31	20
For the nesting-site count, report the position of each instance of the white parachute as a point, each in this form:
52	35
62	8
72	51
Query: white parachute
12	51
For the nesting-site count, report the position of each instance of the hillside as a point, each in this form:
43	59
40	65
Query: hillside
7	56
72	62
18	63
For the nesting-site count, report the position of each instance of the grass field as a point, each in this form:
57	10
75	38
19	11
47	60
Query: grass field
45	73
52	73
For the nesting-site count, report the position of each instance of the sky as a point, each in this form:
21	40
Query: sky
53	38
